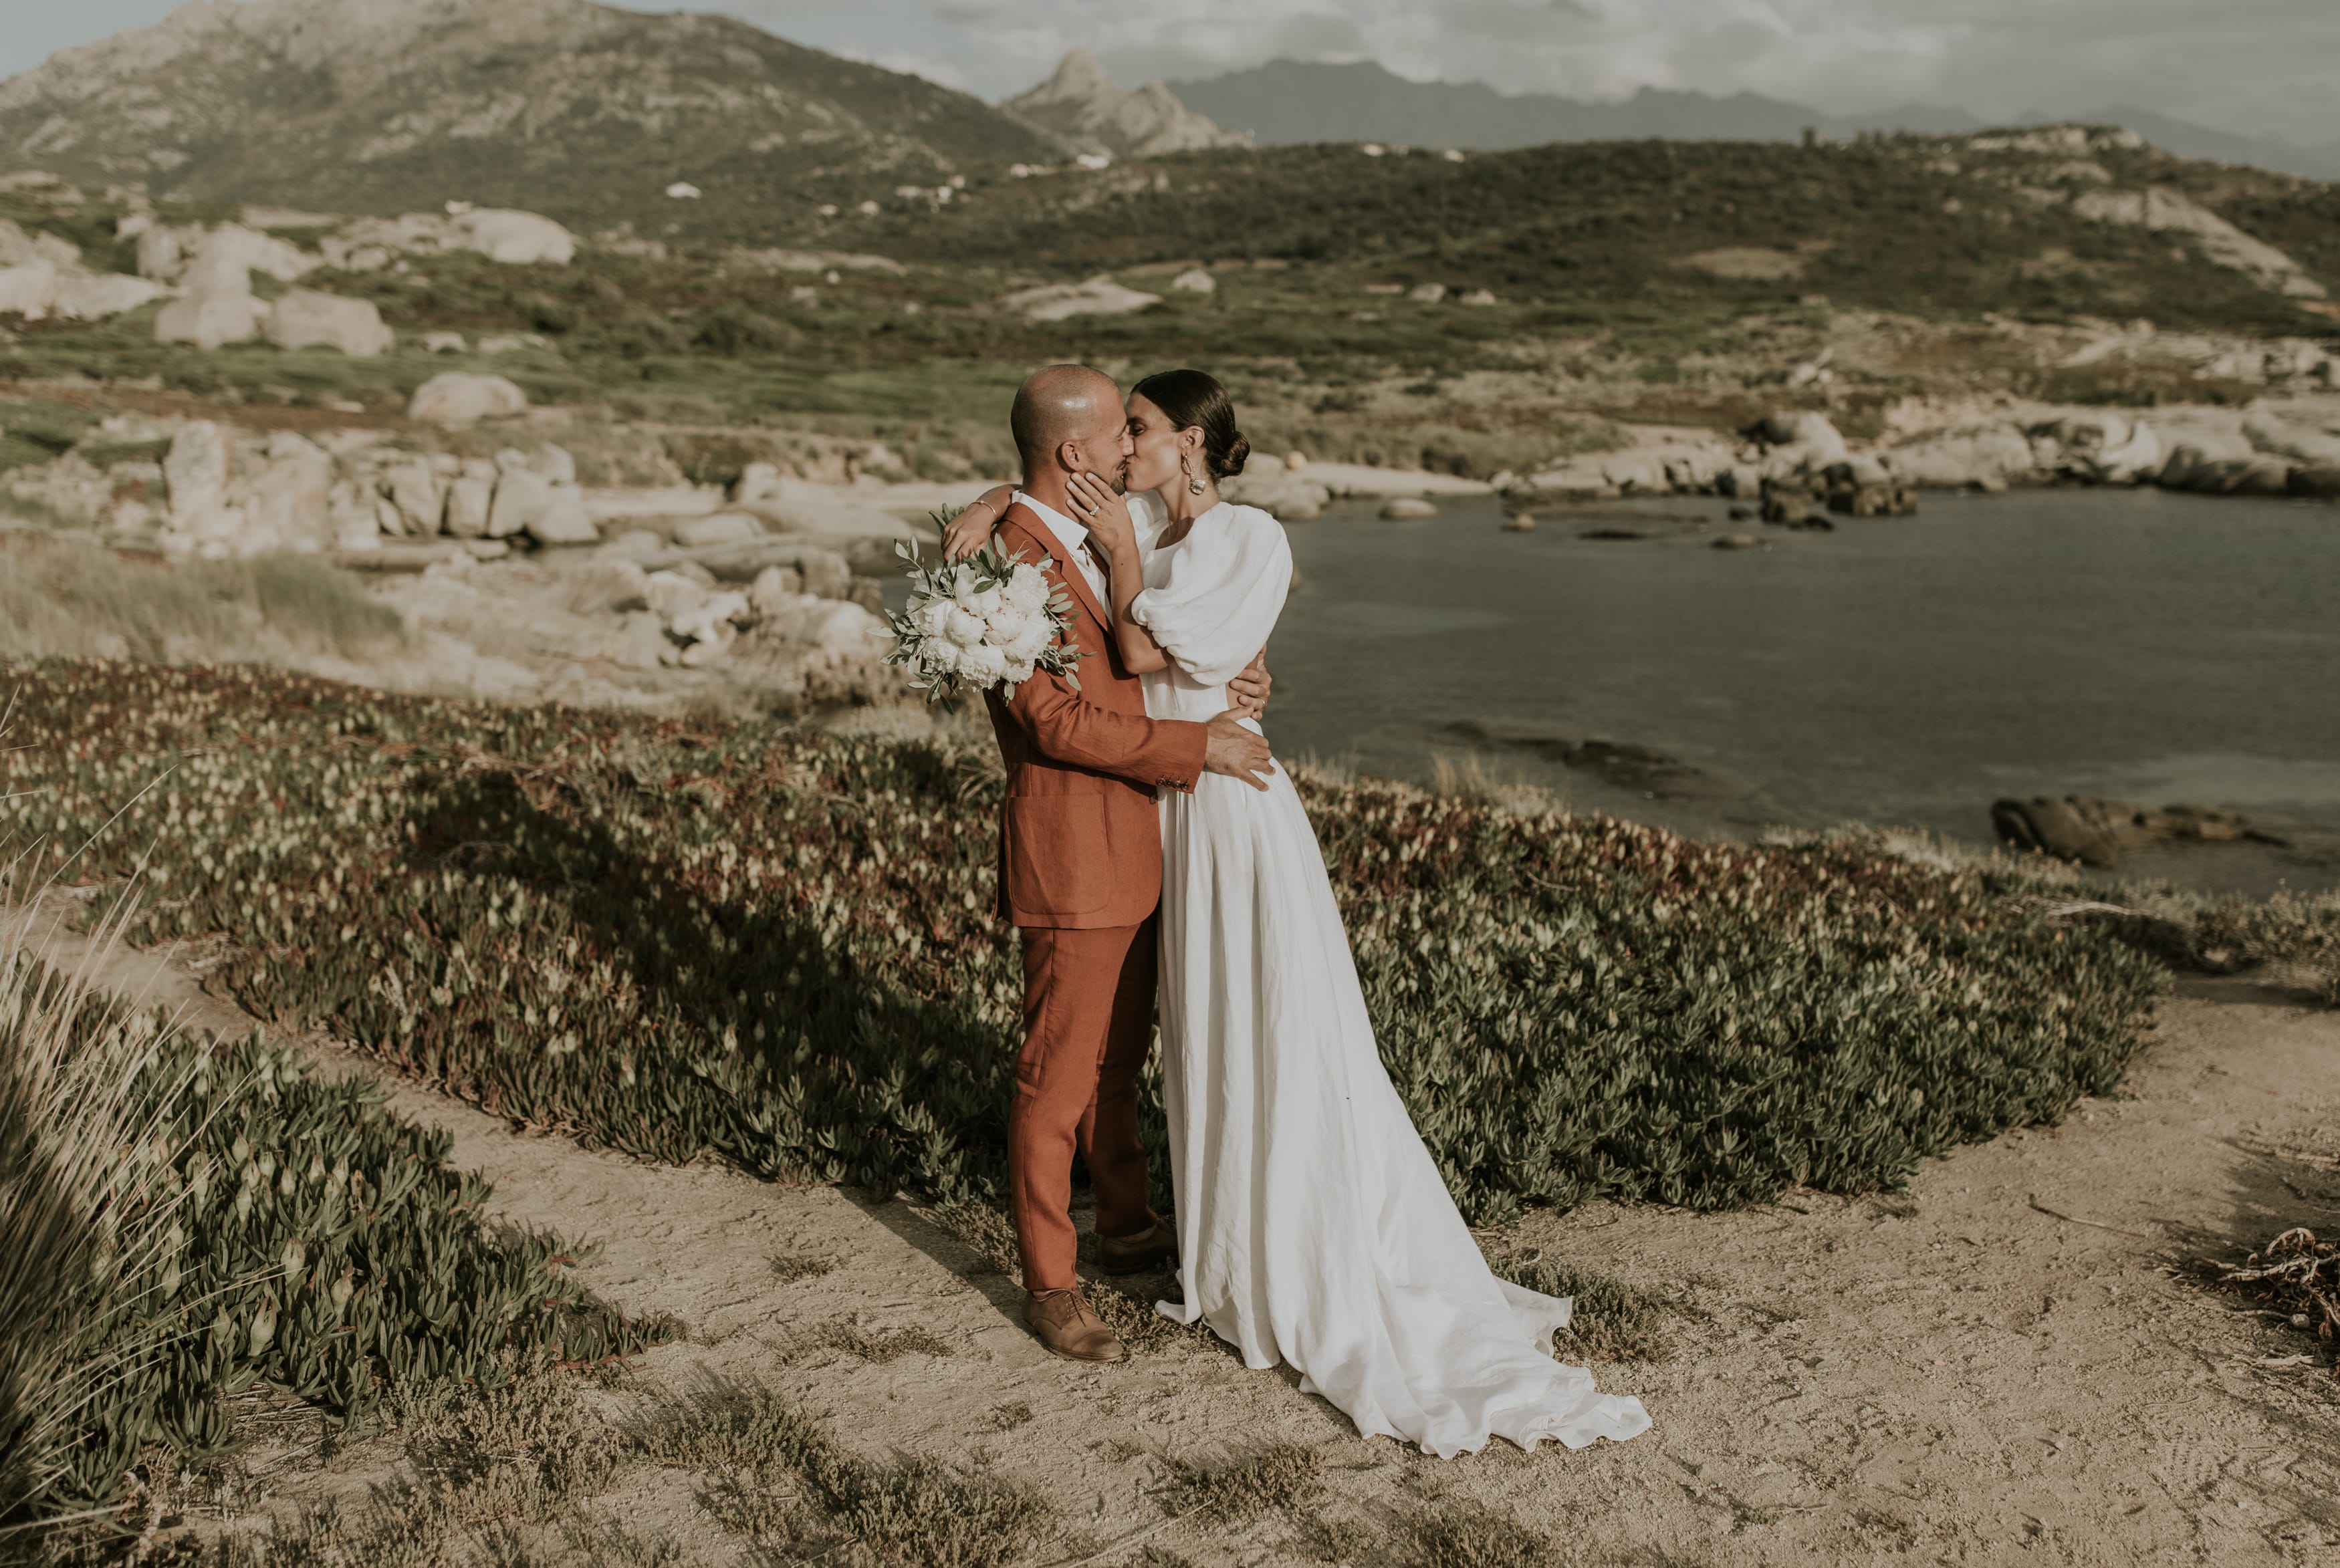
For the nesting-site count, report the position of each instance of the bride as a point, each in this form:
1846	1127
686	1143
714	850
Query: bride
1312	1226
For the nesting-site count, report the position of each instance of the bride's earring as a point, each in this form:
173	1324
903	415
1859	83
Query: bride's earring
1186	462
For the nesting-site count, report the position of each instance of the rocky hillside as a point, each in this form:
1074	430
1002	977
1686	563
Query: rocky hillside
560	107
2050	224
1088	109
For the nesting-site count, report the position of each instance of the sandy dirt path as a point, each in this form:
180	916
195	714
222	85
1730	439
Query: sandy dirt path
1951	1375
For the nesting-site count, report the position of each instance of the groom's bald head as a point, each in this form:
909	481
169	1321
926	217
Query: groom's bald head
1068	405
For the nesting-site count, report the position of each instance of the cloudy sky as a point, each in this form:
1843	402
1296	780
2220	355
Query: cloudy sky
2255	67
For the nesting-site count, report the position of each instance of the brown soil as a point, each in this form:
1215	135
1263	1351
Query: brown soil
2013	1361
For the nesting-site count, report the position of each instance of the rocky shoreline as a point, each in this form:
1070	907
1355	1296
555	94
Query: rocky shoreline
1795	459
475	521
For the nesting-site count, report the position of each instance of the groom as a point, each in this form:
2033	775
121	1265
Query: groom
1080	873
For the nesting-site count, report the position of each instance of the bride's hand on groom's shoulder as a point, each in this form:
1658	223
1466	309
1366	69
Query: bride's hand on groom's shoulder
968	533
971	530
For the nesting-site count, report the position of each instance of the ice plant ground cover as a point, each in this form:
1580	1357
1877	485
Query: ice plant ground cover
678	938
247	1222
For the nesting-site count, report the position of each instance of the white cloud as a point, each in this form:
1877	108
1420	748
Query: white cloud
2248	64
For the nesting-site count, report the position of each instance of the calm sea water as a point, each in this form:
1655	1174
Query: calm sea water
2141	646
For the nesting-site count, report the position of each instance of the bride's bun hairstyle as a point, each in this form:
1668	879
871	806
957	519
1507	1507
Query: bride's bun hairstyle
1193	399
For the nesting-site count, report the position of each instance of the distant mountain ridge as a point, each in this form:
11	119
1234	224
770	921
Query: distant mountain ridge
1288	101
580	111
1095	114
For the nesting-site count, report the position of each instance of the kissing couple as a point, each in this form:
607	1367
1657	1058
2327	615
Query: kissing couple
1148	833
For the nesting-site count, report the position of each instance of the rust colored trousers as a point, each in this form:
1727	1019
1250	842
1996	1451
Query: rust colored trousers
1088	1025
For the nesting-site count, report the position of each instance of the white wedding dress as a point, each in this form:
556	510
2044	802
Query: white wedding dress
1312	1225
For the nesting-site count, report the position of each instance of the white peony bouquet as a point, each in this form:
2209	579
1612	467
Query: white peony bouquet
990	620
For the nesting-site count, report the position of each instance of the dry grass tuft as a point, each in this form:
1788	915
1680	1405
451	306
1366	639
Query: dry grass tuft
1263	1479
874	1346
988	1233
71	599
1447	1534
784	1481
83	1205
1469	778
788	1267
488	1471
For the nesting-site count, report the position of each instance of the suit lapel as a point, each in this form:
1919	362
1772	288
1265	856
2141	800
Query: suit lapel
1038	533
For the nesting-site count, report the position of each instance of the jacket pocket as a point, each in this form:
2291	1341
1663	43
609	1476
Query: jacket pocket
1059	857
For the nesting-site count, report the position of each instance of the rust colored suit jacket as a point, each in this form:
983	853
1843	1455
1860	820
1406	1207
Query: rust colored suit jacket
1080	839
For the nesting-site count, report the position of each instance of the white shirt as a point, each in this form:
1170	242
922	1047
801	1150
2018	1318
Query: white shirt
1072	543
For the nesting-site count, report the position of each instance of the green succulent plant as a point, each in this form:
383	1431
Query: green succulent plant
266	1225
777	946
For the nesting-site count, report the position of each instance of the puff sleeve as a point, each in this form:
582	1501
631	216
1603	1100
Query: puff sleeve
1217	606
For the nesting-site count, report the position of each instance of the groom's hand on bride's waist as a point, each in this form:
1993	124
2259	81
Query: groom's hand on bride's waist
1236	752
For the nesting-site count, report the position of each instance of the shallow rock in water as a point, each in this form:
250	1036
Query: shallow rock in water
1886	499
1739	542
460	397
1408	509
1621	762
2316	481
2096	832
1522	523
1792	510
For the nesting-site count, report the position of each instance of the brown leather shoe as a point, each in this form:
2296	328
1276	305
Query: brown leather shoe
1149	1252
1066	1324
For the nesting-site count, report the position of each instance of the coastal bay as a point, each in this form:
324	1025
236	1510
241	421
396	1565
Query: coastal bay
2132	644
